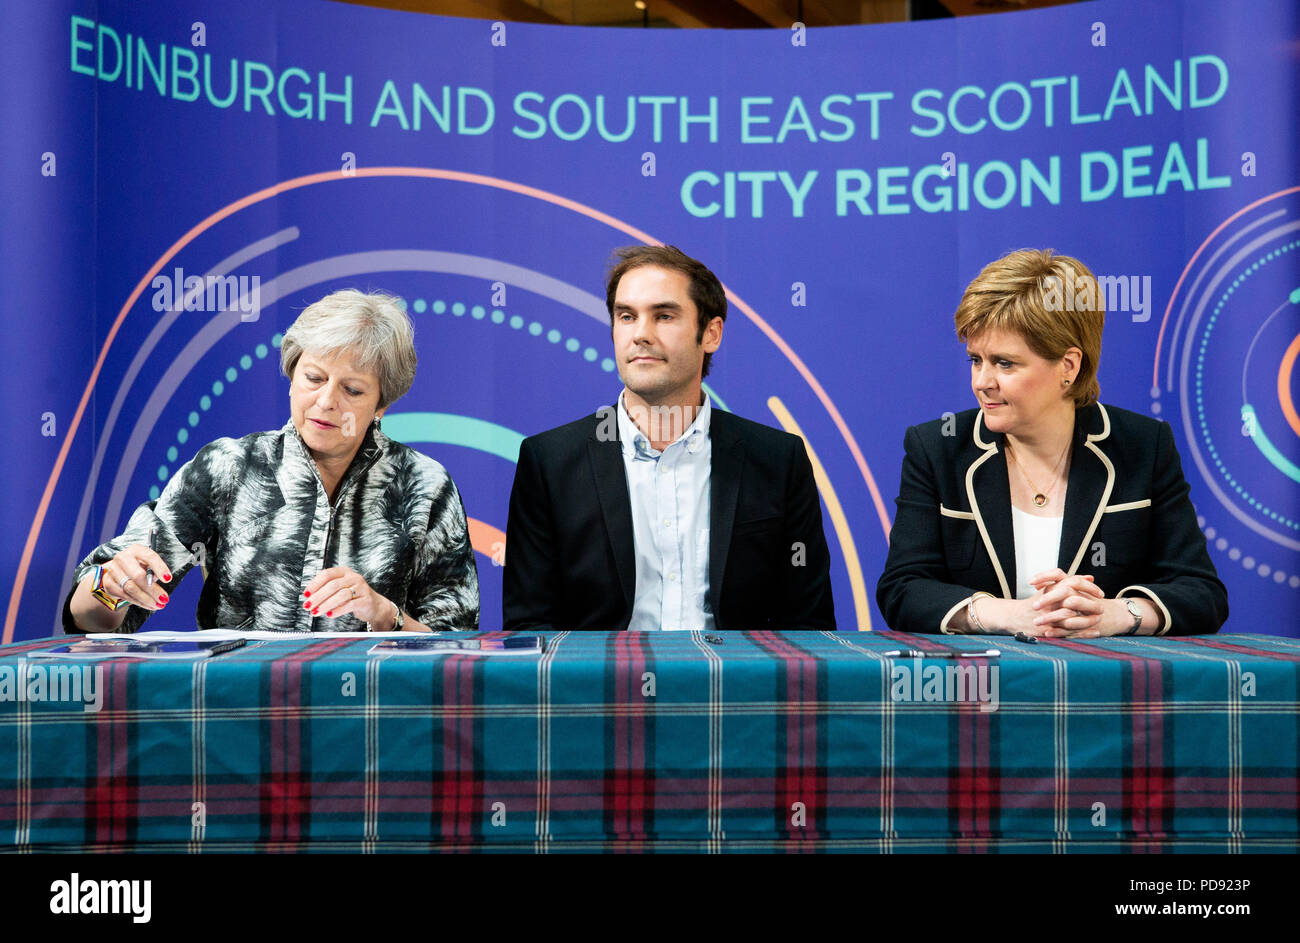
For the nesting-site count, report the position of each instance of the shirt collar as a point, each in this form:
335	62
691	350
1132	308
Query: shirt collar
636	446
373	444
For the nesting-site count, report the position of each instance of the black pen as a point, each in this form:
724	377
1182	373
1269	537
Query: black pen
153	545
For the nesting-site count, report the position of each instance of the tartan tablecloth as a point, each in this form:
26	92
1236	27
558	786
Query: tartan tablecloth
752	741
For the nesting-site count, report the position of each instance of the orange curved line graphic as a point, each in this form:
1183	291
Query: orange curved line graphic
839	519
24	563
1284	384
1160	338
485	538
811	380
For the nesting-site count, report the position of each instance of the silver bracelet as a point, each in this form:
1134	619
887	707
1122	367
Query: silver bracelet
972	619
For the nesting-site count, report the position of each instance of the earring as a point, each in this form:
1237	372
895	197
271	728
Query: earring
1066	383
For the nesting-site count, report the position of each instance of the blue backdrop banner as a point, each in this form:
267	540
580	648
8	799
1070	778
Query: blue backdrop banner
183	178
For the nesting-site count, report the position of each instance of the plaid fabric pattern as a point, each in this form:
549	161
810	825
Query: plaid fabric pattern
625	741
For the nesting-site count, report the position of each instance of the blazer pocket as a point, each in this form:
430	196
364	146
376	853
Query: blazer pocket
959	538
758	526
1124	535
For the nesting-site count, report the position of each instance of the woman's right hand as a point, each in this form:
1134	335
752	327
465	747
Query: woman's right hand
124	577
1008	616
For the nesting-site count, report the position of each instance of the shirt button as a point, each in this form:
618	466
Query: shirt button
672	577
667	522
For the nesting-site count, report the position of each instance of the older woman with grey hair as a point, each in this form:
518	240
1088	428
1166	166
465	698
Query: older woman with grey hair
325	524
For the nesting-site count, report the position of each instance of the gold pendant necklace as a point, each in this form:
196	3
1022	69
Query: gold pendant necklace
1040	498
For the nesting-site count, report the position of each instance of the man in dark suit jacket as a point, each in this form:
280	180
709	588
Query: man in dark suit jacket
741	544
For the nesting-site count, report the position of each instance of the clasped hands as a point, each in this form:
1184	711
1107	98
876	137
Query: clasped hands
1064	606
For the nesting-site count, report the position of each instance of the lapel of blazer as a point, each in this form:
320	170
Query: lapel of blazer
728	462
1092	479
611	488
989	493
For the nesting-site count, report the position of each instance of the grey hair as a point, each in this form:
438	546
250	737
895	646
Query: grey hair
370	328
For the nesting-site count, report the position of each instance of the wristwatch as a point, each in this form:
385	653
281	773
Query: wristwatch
1136	613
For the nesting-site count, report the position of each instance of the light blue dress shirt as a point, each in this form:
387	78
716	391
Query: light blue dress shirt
669	492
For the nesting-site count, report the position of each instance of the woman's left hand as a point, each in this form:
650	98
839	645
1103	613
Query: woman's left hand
1114	619
340	591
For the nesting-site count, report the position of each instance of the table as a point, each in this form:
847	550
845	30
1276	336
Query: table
756	741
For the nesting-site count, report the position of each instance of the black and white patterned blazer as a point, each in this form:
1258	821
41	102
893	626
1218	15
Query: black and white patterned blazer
253	512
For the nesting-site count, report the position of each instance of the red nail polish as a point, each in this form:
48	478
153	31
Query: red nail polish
306	605
329	615
307	593
167	577
316	611
162	599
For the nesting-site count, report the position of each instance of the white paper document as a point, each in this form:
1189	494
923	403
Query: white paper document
256	635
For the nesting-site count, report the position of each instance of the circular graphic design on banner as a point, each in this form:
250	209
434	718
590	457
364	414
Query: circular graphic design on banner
1228	347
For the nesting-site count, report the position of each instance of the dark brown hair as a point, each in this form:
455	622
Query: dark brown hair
705	289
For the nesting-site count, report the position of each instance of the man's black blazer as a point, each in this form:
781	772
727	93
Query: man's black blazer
570	560
1128	522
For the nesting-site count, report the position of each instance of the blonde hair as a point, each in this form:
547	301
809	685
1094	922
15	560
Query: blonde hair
1052	301
371	328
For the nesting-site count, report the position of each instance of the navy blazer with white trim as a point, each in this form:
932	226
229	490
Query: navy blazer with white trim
1128	522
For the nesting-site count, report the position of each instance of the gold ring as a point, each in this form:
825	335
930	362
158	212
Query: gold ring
354	591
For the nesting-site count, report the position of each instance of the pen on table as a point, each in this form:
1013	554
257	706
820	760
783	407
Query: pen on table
913	653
